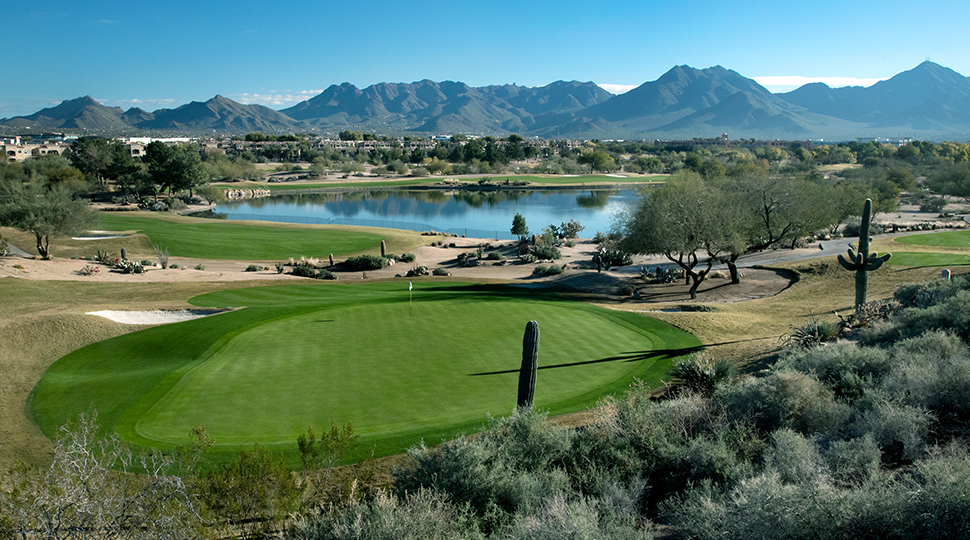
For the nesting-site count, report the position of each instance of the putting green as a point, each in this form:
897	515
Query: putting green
958	239
400	366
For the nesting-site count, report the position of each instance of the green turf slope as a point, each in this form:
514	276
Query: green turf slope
399	370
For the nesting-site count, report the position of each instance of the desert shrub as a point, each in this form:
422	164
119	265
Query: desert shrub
528	258
418	271
546	252
129	267
162	254
571	228
608	257
365	262
951	314
844	367
440	272
304	270
561	517
793	457
702	375
495	256
928	293
931	371
509	467
279	267
175	203
88	270
541	271
200	266
146	262
173	266
854	462
253	268
323	273
810	334
407	257
933	205
899	430
422	515
854	225
791	400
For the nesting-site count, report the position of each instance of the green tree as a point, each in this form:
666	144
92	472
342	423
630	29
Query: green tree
350	135
101	159
519	228
44	212
680	221
175	168
598	160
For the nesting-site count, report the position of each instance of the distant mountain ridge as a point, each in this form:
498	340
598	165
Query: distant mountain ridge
928	102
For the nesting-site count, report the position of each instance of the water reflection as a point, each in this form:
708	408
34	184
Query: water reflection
484	213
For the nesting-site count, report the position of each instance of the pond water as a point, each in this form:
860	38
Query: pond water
477	214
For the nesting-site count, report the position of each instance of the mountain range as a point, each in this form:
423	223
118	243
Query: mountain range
929	102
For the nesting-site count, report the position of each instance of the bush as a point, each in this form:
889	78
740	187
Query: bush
546	252
304	270
932	205
365	262
254	268
702	375
440	272
540	271
323	273
200	266
130	267
495	256
422	515
810	334
407	257
528	258
418	271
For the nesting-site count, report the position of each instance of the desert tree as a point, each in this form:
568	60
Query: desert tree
680	221
46	212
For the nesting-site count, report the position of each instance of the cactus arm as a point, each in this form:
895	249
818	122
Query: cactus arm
862	262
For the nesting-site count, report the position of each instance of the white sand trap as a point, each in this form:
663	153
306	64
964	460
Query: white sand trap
157	316
617	176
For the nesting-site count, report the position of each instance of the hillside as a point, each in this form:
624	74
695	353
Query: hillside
928	102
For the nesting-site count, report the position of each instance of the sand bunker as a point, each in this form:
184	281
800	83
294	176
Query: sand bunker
157	316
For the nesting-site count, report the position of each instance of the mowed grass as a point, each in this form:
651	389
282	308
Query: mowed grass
922	259
950	239
304	355
234	240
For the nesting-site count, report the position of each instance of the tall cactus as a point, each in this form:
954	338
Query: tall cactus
861	261
383	249
530	363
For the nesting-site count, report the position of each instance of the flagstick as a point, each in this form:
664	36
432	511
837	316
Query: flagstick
410	298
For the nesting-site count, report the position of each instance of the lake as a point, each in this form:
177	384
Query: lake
472	213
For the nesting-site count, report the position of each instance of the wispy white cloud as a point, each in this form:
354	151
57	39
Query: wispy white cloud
785	83
149	104
274	98
617	88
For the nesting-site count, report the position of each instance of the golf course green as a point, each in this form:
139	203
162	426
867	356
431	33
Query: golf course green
402	366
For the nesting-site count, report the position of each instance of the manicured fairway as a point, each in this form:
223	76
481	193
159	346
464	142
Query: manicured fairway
400	371
922	259
959	239
218	239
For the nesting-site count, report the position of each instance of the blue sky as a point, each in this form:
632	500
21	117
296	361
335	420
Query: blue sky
155	54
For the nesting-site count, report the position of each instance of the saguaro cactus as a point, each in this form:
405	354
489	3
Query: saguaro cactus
861	261
530	363
383	249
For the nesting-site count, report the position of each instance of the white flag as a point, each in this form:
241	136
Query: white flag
410	285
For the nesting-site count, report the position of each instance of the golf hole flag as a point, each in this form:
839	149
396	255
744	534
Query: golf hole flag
410	309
